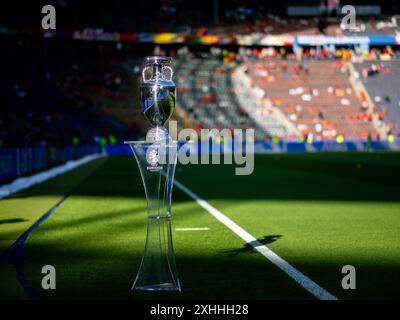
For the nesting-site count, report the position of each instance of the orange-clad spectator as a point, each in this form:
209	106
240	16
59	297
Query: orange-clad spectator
362	96
346	55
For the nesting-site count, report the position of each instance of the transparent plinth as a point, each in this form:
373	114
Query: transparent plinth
157	162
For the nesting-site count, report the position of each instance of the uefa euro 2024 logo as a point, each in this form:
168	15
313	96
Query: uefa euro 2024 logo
152	157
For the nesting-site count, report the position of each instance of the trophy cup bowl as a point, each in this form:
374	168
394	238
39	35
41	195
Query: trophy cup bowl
157	95
156	158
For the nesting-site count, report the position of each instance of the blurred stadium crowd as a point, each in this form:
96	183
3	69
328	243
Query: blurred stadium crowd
89	95
209	16
57	95
61	92
302	96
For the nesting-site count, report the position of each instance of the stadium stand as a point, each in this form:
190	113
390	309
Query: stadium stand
315	95
381	81
36	111
252	99
207	95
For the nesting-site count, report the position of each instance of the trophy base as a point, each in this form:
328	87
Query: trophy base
157	271
159	287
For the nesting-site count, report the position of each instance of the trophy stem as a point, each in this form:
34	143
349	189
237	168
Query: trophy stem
158	268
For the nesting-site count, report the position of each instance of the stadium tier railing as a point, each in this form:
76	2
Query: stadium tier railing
18	162
261	147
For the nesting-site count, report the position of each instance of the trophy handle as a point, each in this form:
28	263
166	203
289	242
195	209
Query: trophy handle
144	72
161	74
170	70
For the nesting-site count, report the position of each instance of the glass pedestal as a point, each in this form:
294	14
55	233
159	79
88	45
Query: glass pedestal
157	162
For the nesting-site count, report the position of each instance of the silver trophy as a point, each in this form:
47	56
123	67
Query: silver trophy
156	159
157	96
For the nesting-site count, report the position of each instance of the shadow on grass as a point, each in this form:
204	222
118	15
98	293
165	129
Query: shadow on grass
327	176
249	247
101	273
16	220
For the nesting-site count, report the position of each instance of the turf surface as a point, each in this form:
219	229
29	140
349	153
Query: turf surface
317	211
19	211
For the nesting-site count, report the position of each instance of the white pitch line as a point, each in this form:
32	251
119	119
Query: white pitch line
26	182
296	275
191	229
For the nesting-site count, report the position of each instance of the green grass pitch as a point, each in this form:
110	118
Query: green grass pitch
319	212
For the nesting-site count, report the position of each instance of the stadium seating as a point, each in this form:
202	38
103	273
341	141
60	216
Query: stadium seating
38	105
315	95
206	94
383	88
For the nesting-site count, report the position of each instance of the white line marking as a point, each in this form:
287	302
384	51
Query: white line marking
26	182
296	275
191	229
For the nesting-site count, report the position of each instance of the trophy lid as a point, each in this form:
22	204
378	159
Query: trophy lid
157	60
